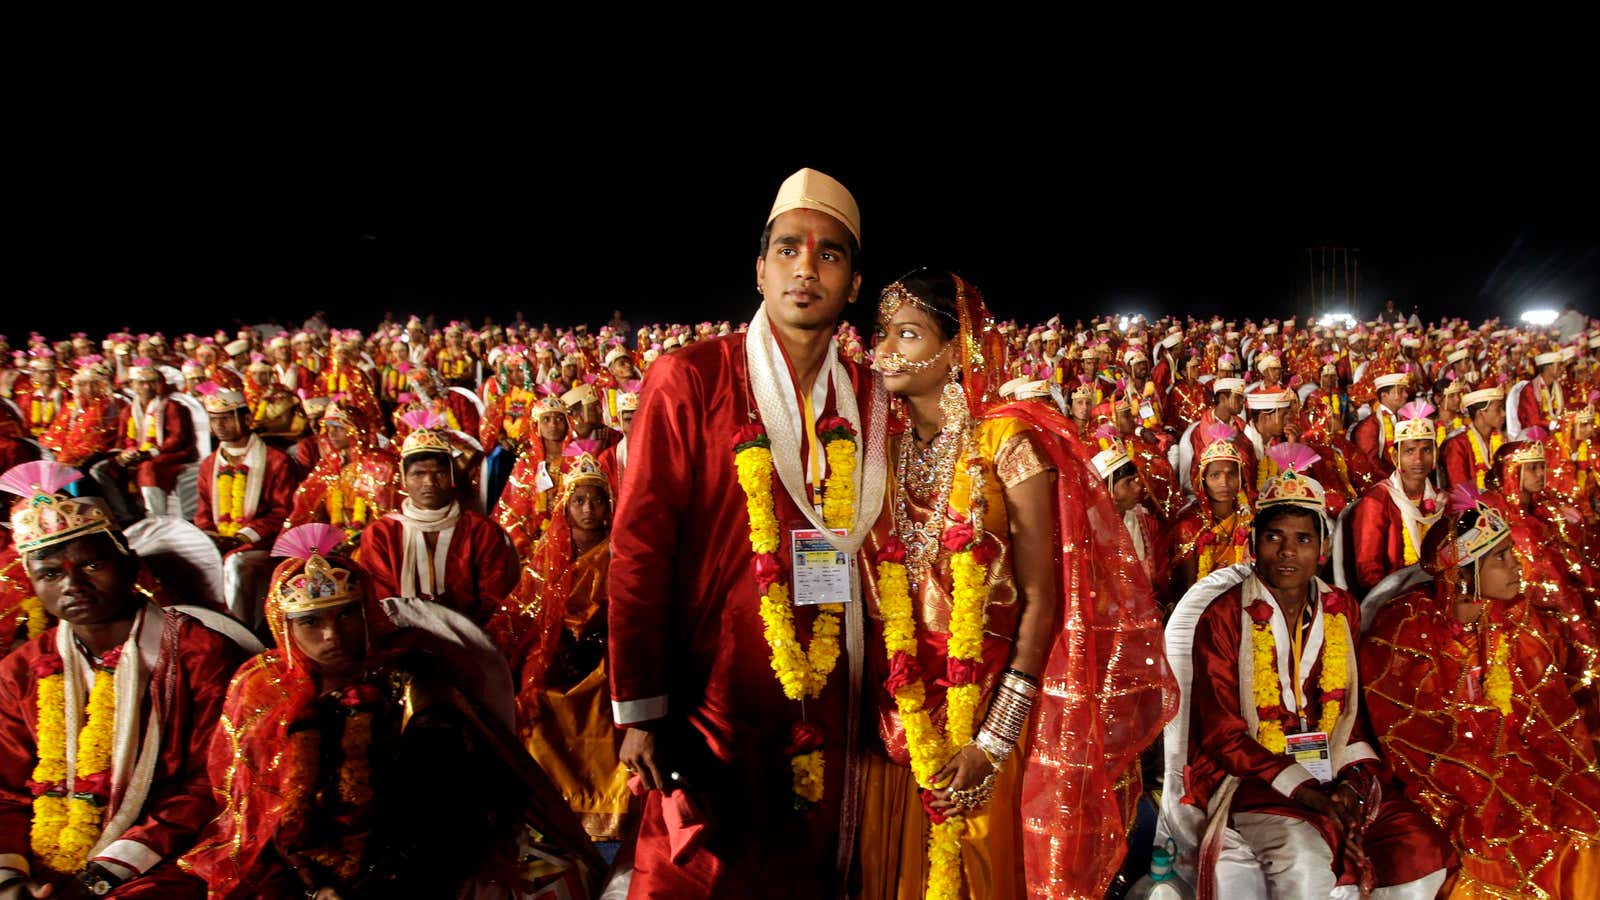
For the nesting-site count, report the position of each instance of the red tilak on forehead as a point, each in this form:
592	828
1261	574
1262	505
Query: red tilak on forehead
811	243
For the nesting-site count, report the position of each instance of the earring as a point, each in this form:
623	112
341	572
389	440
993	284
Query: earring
953	404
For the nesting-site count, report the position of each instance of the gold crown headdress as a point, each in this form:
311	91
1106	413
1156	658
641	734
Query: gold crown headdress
427	434
1528	450
308	580
582	466
218	399
1293	486
44	516
1469	546
1115	454
1221	447
1412	423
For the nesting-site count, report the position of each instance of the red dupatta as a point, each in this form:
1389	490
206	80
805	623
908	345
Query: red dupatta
1107	689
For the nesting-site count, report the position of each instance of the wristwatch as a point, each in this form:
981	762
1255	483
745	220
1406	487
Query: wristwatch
97	881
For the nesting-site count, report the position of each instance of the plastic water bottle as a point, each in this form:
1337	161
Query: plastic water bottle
1162	883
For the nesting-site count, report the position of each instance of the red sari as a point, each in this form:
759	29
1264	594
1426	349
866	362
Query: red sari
1512	789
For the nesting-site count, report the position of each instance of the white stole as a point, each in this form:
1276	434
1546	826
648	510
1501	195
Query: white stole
422	573
254	460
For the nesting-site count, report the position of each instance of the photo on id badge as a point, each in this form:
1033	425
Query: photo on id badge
821	571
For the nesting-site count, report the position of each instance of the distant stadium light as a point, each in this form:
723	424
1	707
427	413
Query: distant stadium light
1126	320
1333	320
1540	317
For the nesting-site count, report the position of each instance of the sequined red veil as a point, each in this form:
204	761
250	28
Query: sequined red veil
1107	690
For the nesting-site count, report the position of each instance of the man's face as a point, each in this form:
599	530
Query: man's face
206	355
622	368
1494	415
807	275
1141	370
261	377
1415	458
334	640
428	482
1330	384
1127	492
1235	402
569	372
1532	477
1582	431
226	426
1125	422
1287	551
625	421
1272	375
1394	397
589	509
1191	369
552	426
1270	422
1222	481
144	389
281	354
1052	346
83	582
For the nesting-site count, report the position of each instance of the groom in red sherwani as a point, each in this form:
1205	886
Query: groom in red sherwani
692	681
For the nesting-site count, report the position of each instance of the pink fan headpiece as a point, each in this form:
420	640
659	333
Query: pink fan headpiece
1297	458
1463	497
43	516
419	419
302	541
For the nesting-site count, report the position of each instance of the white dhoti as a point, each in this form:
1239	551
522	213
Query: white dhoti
245	578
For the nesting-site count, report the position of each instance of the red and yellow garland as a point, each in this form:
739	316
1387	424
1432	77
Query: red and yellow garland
802	670
929	750
1268	690
229	501
66	827
1210	550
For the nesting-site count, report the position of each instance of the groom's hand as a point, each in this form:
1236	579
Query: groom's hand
639	756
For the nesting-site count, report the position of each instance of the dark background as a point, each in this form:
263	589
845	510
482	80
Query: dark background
199	216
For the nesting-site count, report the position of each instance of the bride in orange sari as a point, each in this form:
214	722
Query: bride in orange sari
997	661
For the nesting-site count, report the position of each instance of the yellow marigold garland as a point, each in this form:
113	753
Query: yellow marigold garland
1497	684
65	828
1266	689
38	621
229	502
334	502
929	750
1408	547
838	498
1480	465
1335	678
802	670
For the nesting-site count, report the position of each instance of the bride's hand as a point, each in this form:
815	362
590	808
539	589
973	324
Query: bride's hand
963	772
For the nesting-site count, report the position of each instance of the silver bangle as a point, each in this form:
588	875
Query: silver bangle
996	749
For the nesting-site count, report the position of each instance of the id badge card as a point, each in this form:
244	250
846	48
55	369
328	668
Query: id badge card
821	572
1146	412
1310	750
543	482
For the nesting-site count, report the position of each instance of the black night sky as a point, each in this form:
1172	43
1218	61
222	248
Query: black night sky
566	214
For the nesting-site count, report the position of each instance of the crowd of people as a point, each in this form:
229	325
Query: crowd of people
769	608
